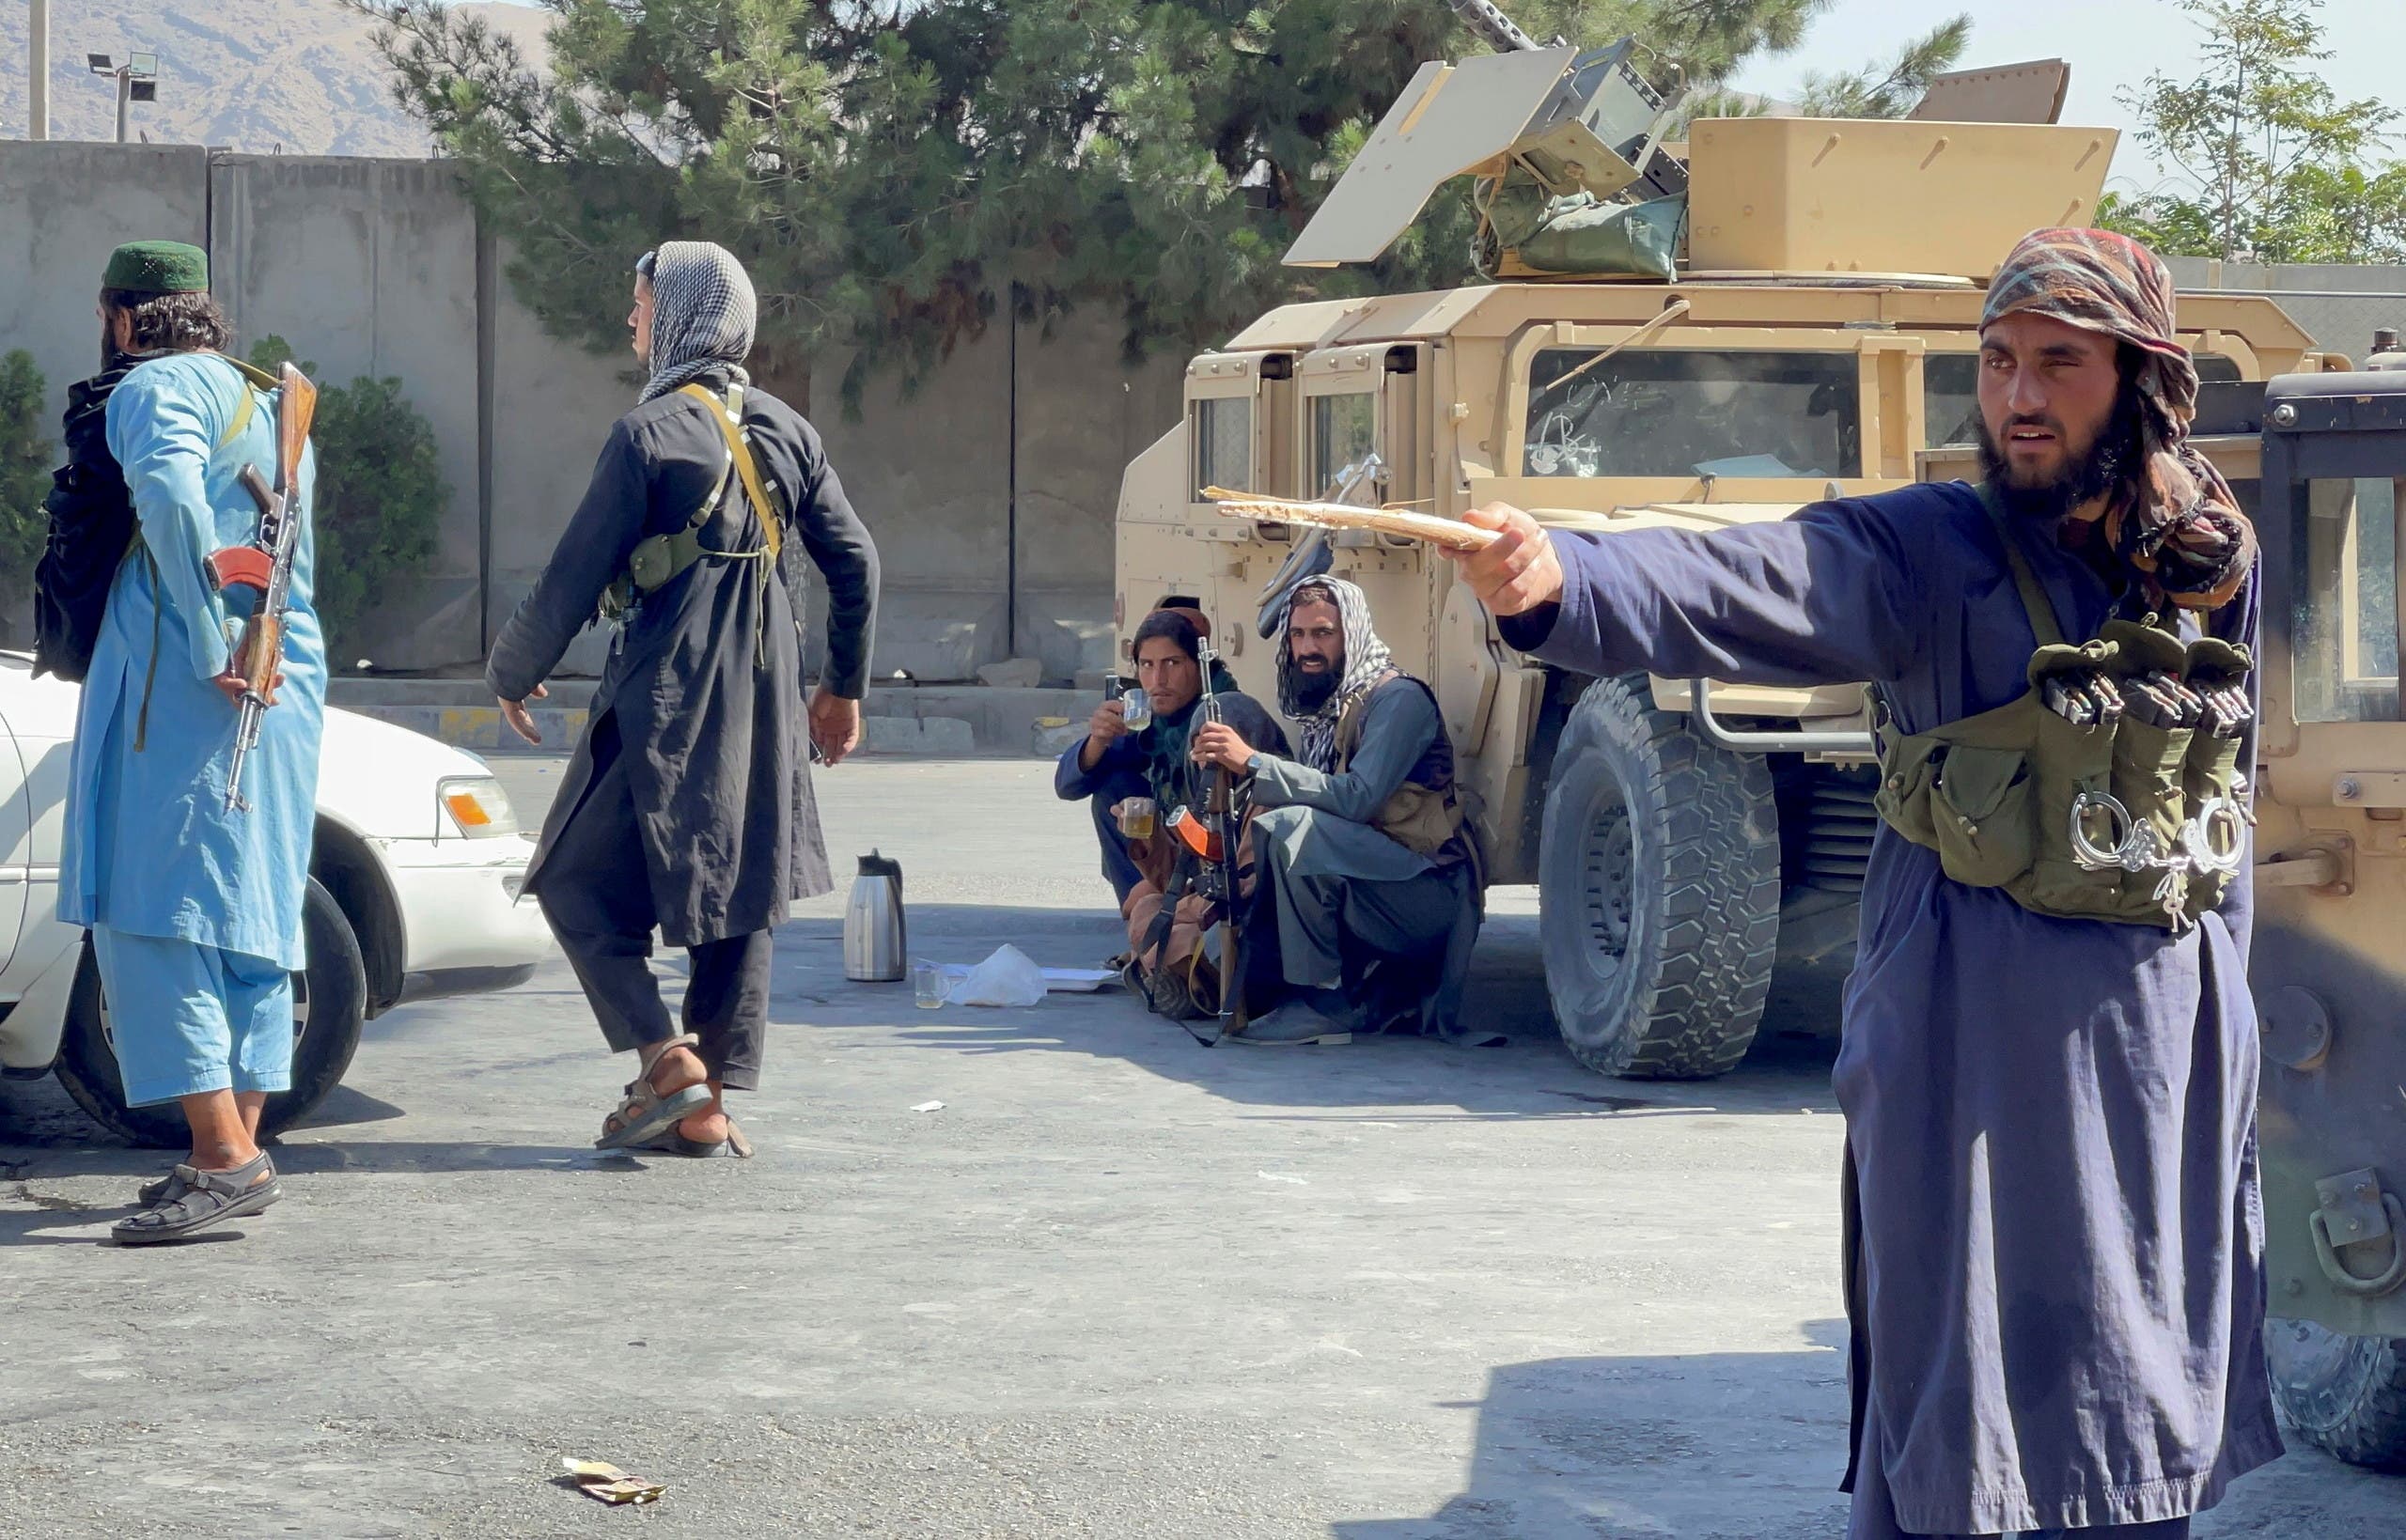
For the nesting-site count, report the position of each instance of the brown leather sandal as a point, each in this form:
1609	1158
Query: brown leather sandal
647	1109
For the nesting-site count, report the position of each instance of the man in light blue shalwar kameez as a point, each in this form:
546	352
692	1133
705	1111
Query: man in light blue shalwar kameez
195	910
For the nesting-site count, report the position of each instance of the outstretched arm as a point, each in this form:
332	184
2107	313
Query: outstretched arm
1827	597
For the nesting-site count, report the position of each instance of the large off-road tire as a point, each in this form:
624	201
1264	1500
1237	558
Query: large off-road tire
2347	1395
1658	890
329	1004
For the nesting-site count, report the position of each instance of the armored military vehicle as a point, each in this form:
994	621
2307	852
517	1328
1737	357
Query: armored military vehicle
1694	334
2328	971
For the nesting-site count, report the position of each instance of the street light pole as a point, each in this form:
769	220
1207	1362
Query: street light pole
137	80
37	72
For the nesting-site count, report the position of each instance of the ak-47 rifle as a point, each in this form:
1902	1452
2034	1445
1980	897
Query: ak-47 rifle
1211	842
265	564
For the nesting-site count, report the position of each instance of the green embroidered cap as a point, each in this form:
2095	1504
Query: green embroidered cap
157	267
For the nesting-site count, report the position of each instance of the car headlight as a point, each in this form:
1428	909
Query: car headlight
476	806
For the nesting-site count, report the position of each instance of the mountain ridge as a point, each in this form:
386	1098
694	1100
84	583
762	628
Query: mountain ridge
295	77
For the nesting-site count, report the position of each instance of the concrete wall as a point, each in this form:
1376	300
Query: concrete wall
553	405
2338	306
990	490
930	475
1083	416
368	268
63	207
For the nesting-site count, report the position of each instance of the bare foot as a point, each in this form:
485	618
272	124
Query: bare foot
674	1070
708	1126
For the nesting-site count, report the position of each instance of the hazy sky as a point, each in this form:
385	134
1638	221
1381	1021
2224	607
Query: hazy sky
2110	44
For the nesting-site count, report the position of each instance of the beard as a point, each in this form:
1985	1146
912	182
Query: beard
2110	460
1312	691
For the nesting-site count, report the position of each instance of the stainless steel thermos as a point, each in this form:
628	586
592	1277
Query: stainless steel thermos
875	946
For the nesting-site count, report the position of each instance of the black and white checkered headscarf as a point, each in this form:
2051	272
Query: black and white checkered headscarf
703	313
1367	665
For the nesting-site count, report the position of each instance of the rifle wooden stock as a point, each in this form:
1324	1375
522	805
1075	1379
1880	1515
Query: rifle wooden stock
296	409
267	564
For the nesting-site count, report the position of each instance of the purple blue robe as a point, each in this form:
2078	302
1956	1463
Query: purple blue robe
2055	1240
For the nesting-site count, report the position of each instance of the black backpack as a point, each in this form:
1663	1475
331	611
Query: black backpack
91	526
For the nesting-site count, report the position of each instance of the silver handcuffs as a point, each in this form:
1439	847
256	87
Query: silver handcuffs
2214	841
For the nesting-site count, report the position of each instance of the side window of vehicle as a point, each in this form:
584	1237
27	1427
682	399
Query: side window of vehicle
1344	428
2344	623
1223	437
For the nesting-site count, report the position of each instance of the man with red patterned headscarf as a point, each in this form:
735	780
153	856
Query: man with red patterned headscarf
2054	1241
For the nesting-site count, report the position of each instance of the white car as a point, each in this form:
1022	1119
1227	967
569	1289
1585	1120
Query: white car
413	893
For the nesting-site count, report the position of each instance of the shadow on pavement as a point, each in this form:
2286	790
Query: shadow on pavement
1614	1447
44	1135
345	1107
1533	1076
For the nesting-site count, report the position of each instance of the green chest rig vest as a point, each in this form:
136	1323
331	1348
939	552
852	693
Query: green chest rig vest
654	563
2119	820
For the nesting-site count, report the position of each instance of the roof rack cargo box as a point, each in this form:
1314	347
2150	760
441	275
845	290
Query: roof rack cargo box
1822	194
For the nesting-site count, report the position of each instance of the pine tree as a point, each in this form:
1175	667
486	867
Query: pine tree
893	173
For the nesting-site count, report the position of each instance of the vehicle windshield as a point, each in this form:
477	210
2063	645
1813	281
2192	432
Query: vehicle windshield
1676	413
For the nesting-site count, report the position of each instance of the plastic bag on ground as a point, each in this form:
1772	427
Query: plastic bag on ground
1010	977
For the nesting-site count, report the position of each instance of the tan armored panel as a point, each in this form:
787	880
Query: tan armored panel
1452	118
1796	195
2009	93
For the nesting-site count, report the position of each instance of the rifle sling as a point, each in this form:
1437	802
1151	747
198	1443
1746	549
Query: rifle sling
660	560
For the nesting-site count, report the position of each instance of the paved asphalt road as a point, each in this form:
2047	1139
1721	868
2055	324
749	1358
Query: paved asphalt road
1118	1287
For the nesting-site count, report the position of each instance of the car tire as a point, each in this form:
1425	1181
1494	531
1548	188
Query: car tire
1658	881
2345	1394
330	998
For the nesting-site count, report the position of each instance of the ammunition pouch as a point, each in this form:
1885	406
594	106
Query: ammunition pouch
2120	820
1422	819
662	559
1422	822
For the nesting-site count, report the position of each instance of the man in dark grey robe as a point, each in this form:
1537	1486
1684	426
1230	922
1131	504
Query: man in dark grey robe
1367	903
687	807
2054	1234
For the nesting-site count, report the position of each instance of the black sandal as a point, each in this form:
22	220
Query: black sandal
169	1186
201	1199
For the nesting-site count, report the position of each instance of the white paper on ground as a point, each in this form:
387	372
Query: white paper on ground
1010	977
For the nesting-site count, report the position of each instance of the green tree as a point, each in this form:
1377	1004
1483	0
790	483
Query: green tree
26	461
892	174
2266	161
1892	91
379	493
